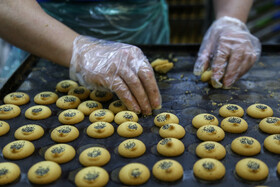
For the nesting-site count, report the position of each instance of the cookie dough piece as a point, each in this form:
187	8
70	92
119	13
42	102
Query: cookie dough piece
206	76
246	146
134	174
101	96
210	133
44	172
19	149
64	133
168	170
230	110
92	176
81	92
71	117
270	125
165	118
259	111
9	111
234	125
129	129
117	106
251	169
204	119
131	148
68	102
170	147
162	65
104	115
272	143
29	132
210	149
94	156
16	98
45	98
124	116
9	172
65	85
278	168
4	128
38	112
209	169
172	130
100	130
60	153
87	107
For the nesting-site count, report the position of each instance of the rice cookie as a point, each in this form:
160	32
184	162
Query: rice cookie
68	102
131	148
230	110
101	96
29	132
117	106
259	111
38	112
134	174
94	156
246	146
17	150
9	111
209	169
60	153
92	176
204	119
168	170
172	130
4	128
65	133
210	149
45	98
170	147
87	107
272	143
165	118
210	133
104	115
124	116
251	169
65	85
100	130
129	129
16	98
81	92
44	172
270	125
9	172
234	125
71	117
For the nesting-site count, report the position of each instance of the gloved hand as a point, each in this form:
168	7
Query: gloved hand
229	50
122	68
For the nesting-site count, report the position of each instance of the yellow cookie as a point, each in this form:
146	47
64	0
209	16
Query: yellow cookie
101	96
101	115
29	132
172	130
68	102
165	118
45	98
134	174
44	172
272	143
81	92
64	133
210	149
92	176
204	119
87	107
168	170
206	76
234	125
66	85
9	111
100	130
94	156
60	153
124	116
278	168
117	106
9	172
131	148
210	133
4	128
170	147
259	111
230	110
38	112
129	129
17	150
71	117
270	125
246	146
16	98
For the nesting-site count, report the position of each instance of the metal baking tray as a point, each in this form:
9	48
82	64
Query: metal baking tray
182	94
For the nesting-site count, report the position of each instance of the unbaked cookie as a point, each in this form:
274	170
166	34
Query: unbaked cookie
131	148
44	172
124	116
16	98
92	176
81	92
9	111
117	106
234	125
87	107
251	169
230	110
68	102
210	133
270	125
204	119
9	172
168	170
94	156
129	129
60	153
259	111
206	75
29	132
19	149
246	146
134	174
4	128
101	96
104	115
45	98
172	130
210	149
278	168
209	169
170	147
71	117
100	130
66	85
272	143
38	112
165	118
64	133
162	65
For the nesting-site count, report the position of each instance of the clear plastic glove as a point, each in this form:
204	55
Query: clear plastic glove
229	49
122	68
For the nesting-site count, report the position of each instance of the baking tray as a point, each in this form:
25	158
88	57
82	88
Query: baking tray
182	94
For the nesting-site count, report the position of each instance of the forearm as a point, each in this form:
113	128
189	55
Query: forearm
233	8
25	25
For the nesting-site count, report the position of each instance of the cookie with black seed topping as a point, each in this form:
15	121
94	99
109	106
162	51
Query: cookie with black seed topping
246	146
134	174
259	111
168	170
230	110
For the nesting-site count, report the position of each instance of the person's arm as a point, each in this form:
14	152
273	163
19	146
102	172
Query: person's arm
26	25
